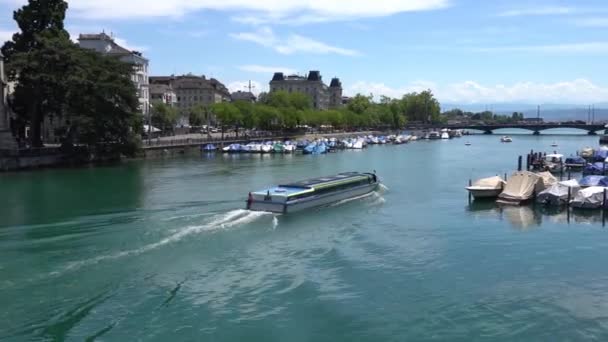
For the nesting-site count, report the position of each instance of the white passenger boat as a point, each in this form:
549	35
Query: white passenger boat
506	139
487	187
312	193
445	135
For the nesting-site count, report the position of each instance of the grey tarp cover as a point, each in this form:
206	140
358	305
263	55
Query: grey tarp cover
521	186
591	197
557	194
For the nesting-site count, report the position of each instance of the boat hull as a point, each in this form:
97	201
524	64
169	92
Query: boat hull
313	201
484	193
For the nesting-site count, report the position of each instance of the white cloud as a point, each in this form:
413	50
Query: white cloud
553	10
263	69
280	9
585	47
6	35
263	36
578	91
292	44
592	22
297	43
256	87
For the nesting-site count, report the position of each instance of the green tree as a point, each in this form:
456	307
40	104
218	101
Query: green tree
40	77
269	117
164	116
102	103
228	115
199	115
359	104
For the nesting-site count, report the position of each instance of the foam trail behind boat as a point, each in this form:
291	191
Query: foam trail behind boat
230	219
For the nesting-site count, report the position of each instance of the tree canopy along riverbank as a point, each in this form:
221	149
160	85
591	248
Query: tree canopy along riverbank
56	81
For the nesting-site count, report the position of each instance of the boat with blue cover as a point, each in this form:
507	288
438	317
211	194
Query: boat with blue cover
593	181
575	163
595	169
209	148
315	148
316	192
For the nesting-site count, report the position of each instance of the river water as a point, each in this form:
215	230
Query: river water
162	250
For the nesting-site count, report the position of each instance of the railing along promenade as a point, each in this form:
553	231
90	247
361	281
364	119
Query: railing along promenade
166	142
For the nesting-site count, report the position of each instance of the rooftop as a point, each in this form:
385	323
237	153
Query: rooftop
325	181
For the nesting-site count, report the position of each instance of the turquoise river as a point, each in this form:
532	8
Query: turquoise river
162	250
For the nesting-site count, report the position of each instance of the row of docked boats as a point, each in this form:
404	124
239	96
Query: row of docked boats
445	134
588	193
316	146
268	147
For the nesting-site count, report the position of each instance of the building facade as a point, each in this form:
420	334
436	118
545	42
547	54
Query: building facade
322	96
105	44
243	96
7	141
192	91
163	93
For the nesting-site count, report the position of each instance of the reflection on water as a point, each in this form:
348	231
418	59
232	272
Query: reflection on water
533	215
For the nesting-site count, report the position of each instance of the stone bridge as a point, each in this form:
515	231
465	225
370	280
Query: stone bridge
536	128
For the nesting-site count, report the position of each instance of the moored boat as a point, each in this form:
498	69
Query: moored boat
559	193
575	163
590	181
434	135
554	162
589	198
489	187
293	197
209	148
521	187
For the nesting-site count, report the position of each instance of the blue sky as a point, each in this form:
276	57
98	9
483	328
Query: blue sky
465	51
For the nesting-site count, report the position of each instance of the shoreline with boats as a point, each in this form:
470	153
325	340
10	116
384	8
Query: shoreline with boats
586	186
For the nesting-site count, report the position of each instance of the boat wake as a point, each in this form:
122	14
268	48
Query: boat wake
275	222
382	188
375	196
227	220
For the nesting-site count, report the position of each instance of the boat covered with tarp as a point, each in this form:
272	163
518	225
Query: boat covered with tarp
292	197
209	148
521	186
547	178
600	155
597	168
489	187
589	198
593	181
575	162
559	193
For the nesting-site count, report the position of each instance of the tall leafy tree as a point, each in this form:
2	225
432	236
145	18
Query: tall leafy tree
40	86
102	103
164	116
200	115
228	115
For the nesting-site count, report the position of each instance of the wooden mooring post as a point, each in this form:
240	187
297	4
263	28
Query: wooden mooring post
519	163
604	209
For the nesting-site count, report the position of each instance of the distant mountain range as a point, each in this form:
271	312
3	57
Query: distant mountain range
549	112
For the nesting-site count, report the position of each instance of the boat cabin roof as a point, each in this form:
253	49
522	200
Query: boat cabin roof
320	182
310	185
551	156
